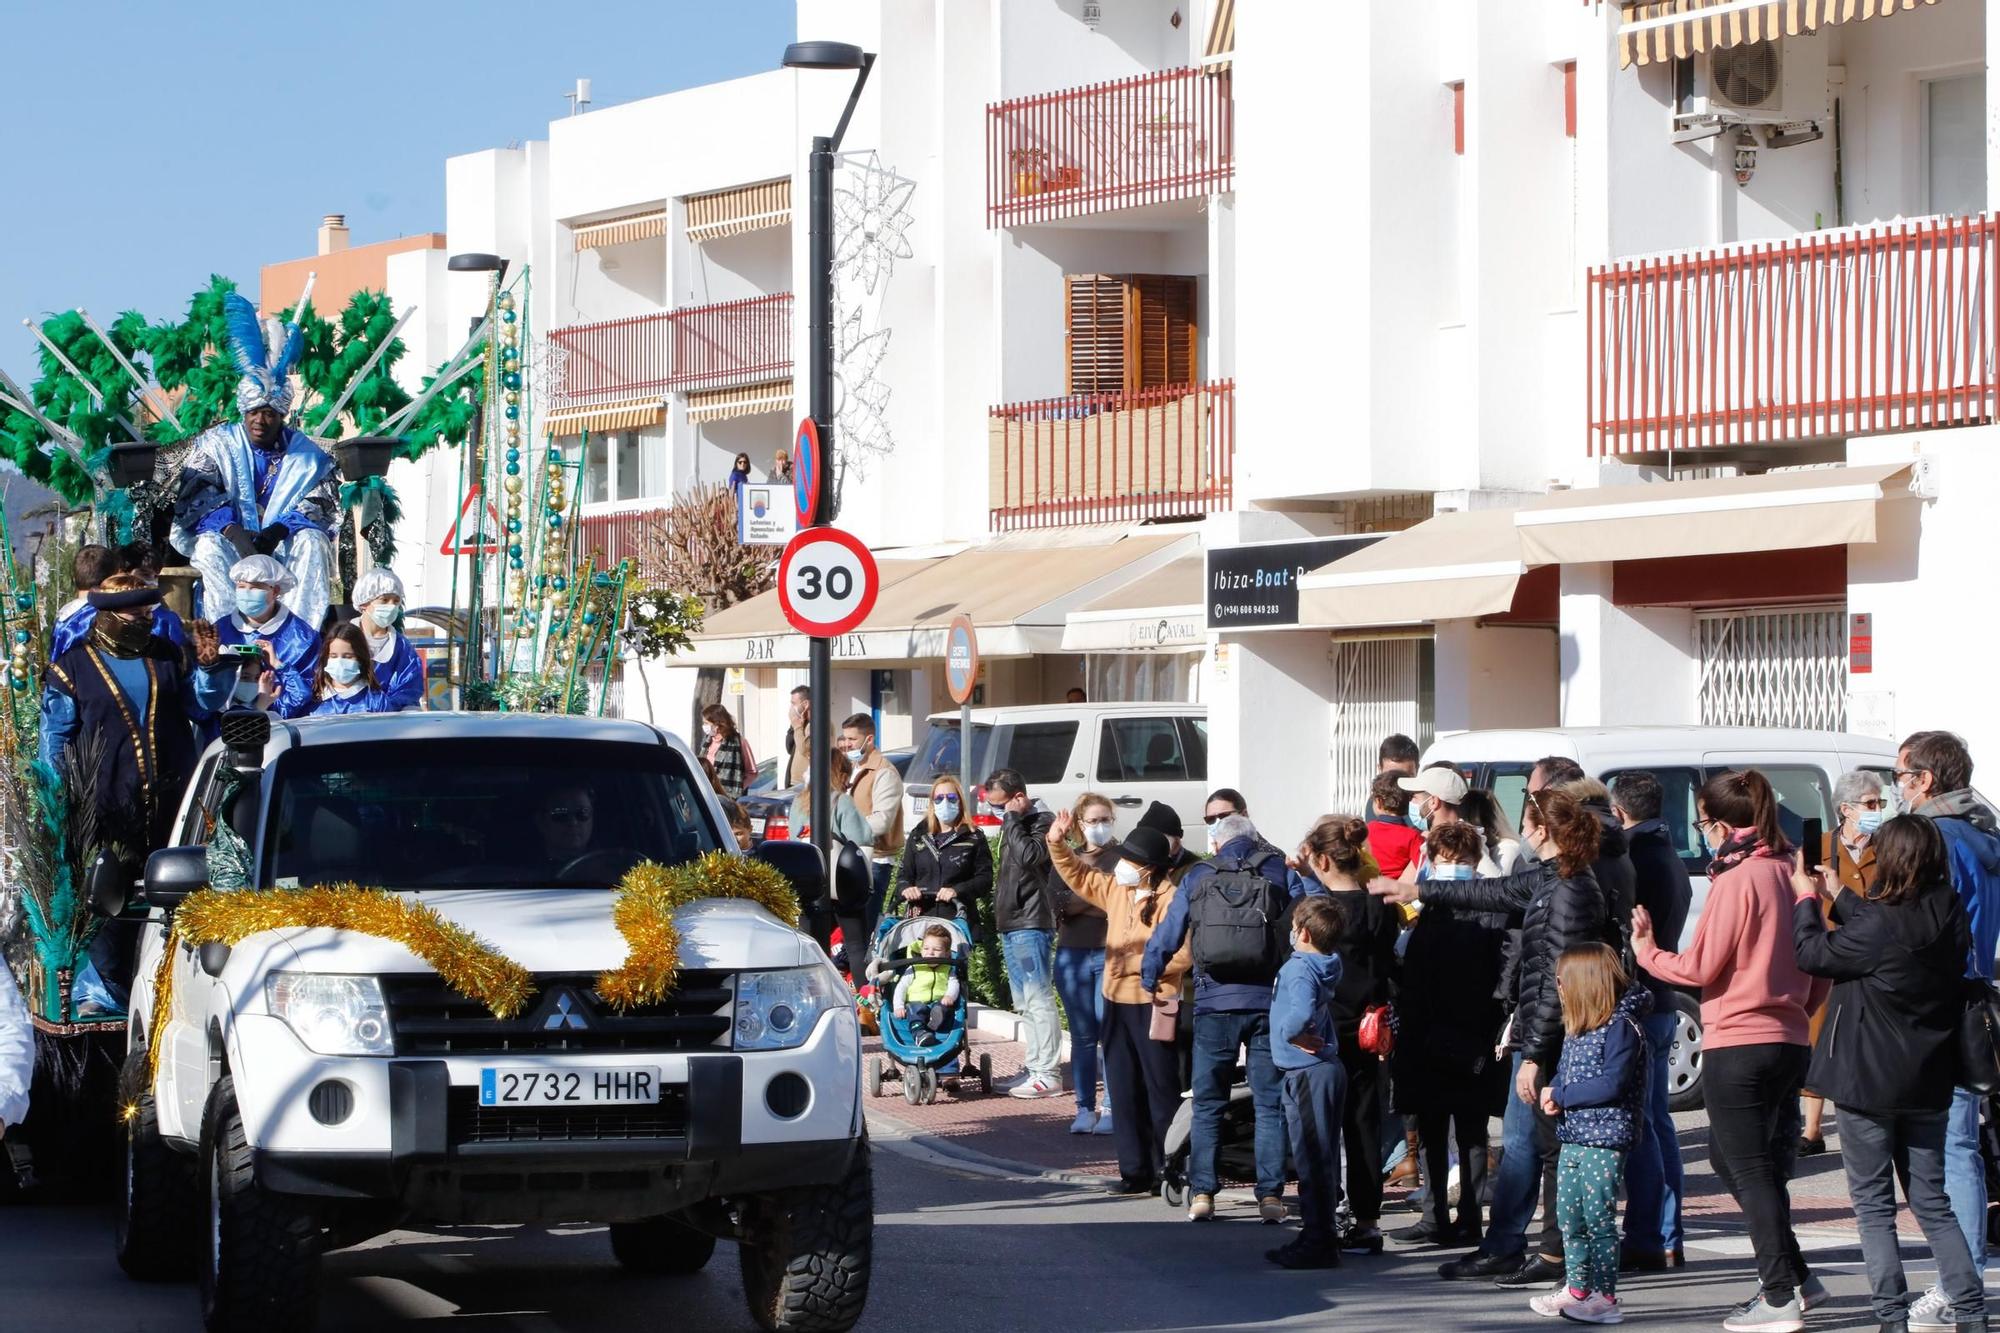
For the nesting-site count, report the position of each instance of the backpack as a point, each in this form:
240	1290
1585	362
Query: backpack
1238	922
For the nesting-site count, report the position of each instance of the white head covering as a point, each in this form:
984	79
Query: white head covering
377	582
263	569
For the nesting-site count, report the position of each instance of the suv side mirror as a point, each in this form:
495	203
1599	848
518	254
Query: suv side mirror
108	885
172	873
798	862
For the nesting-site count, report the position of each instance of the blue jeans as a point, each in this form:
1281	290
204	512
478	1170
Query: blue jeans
1965	1173
1527	1141
1216	1039
1028	954
1653	1167
1314	1102
1080	982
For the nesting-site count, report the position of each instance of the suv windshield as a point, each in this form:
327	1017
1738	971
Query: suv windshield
1040	751
483	813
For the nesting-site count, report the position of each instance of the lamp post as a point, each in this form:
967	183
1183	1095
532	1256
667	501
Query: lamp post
475	637
819	329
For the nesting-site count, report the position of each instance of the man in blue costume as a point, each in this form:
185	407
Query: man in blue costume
290	643
378	598
258	487
73	624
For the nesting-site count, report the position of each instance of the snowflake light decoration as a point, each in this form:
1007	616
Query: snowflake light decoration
548	372
871	223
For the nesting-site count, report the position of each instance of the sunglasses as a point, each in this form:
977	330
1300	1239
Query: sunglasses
565	815
1210	819
1901	773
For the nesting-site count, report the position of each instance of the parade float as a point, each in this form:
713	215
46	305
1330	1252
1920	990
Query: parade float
110	424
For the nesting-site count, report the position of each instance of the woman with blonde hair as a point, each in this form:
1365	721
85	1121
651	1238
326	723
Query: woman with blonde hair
1080	959
946	861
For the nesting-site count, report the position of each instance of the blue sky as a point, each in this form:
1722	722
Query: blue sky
147	145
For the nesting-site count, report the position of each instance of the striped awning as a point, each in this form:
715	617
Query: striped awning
1221	38
627	414
745	400
617	231
1653	30
745	208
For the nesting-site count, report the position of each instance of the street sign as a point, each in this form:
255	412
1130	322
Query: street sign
734	680
762	517
805	471
1258	585
827	582
485	528
961	659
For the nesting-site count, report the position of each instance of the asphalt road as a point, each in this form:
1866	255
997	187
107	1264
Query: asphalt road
957	1250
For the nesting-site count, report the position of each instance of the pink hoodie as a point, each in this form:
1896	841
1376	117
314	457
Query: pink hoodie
1752	991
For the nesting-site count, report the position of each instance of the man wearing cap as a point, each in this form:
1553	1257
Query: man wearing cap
290	644
256	486
1436	794
378	598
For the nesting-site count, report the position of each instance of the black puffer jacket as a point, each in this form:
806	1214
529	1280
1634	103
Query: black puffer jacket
1617	876
1555	913
956	858
1022	897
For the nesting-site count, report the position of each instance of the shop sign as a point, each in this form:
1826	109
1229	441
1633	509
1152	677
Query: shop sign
1257	586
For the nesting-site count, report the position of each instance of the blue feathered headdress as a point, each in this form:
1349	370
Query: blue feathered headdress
265	351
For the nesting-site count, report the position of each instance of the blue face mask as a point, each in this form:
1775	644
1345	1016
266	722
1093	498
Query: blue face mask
1451	871
1867	821
253	601
1418	821
343	670
946	808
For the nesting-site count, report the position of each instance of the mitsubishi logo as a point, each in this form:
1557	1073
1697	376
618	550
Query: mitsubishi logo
567	1014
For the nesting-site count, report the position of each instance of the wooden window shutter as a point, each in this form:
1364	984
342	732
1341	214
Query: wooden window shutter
1162	344
1129	331
1094	307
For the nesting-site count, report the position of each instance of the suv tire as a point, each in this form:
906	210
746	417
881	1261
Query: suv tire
260	1269
157	1215
1684	1060
807	1254
661	1246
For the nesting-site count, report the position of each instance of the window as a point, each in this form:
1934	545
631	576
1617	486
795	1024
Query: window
195	828
1038	751
1509	785
1677	812
1127	332
1802	795
596	471
1194	736
626	475
1142	749
1955	145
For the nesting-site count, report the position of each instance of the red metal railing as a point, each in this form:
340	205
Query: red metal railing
1103	458
619	535
1881	328
614	358
732	342
1141	140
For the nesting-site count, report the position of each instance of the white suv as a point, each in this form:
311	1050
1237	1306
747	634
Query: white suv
315	1086
1134	753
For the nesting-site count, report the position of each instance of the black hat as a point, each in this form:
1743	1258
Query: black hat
1148	847
1162	818
123	601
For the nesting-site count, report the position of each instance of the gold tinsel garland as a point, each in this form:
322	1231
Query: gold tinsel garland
644	915
465	963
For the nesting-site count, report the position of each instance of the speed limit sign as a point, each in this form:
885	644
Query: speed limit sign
826	582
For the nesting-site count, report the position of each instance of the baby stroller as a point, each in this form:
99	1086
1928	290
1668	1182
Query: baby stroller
917	1055
1235	1147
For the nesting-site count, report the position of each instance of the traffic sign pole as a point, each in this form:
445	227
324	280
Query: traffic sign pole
961	677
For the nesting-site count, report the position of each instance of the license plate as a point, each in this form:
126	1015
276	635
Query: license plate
569	1087
757	823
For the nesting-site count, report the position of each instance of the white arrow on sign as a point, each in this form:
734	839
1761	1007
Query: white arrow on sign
827	582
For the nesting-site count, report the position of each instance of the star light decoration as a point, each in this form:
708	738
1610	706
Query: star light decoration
548	372
871	232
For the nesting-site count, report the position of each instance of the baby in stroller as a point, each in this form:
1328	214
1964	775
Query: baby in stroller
927	994
920	963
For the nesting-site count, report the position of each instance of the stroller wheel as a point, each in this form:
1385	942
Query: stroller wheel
1174	1192
874	1076
913	1085
927	1086
986	1073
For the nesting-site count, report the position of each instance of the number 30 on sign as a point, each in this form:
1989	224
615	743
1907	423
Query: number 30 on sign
827	582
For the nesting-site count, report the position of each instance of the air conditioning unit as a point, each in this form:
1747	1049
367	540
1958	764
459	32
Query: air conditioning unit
1749	84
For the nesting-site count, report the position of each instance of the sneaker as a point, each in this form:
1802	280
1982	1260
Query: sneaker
1085	1123
1812	1292
1536	1272
1596	1308
1931	1312
1551	1304
1201	1207
1427	1232
1764	1317
1271	1210
1479	1265
1103	1125
1038	1086
1134	1185
1304	1254
1361	1240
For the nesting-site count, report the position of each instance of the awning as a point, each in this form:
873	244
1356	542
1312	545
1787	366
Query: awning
1778	511
1661	29
744	208
744	400
1453	566
625	414
1221	43
1017	590
1158	610
617	231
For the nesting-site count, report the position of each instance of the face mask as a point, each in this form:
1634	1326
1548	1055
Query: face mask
1419	821
996	811
1213	845
854	757
1098	834
384	614
1127	875
946	808
125	636
707	730
1451	871
1867	821
343	670
253	601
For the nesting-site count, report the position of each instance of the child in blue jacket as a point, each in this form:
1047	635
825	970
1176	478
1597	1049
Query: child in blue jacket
1306	1050
1597	1094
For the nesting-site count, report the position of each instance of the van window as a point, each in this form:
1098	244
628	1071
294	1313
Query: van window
1038	751
1194	735
1509	785
1677	813
1802	795
1141	749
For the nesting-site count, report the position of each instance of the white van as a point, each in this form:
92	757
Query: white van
1134	753
1803	767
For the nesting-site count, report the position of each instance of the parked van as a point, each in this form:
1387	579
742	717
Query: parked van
1803	767
1134	753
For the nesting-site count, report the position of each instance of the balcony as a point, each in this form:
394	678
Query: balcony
692	349
1147	139
622	534
1164	452
1888	327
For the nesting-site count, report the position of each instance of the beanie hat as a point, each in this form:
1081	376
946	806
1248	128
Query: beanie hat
1163	819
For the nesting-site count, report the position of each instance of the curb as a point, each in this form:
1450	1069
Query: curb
899	1137
1004	1024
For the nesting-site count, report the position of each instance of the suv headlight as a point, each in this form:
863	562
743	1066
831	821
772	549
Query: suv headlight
332	1015
778	1010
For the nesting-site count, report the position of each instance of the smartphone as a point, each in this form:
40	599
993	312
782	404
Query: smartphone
1814	839
248	651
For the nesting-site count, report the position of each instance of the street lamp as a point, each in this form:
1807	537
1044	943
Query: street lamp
819	329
